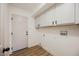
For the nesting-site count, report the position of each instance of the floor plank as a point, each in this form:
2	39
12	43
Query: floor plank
33	51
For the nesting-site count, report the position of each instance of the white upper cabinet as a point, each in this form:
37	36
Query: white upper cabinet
77	14
59	14
64	13
46	19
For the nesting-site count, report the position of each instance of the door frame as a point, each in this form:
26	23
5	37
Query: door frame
10	29
1	29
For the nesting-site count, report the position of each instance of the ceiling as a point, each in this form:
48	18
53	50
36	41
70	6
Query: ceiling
29	7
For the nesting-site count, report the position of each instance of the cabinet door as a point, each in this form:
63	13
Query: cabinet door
77	13
50	16
47	18
64	13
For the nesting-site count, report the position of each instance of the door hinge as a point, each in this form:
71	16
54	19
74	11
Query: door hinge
11	33
26	33
11	18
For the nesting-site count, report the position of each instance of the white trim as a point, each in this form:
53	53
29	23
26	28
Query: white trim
10	30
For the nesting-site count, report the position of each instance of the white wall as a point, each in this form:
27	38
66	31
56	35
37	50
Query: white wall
18	11
57	44
33	39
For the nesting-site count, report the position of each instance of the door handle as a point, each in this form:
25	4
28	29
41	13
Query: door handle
56	22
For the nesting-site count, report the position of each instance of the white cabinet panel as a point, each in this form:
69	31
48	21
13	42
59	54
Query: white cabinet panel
77	13
47	18
64	13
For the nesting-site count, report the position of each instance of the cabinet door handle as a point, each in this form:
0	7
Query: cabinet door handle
56	22
52	22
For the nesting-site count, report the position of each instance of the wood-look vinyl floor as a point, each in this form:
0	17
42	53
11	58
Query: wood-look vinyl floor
33	51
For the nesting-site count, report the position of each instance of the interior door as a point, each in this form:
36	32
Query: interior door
19	31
